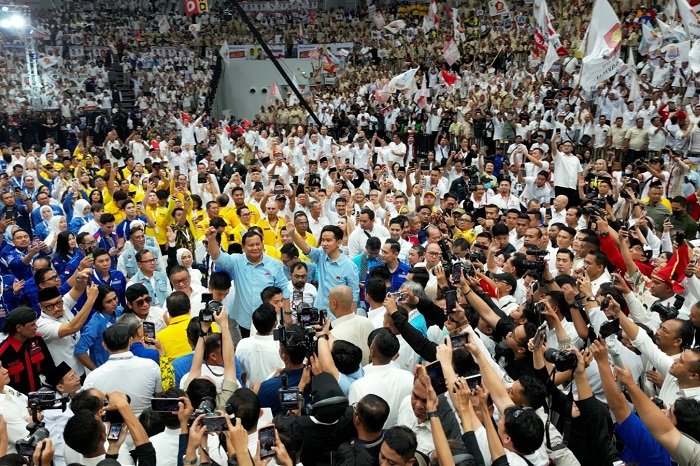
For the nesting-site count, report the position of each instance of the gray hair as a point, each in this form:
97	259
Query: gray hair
415	288
131	321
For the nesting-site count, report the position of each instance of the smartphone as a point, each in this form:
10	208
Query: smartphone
295	180
424	167
558	130
610	327
149	330
437	378
399	297
450	301
279	191
540	334
9	214
165	405
266	437
457	271
534	286
473	381
215	423
548	212
115	431
459	340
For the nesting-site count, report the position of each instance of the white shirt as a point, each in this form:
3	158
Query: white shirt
407	358
376	316
567	168
358	238
424	435
388	382
13	406
61	349
259	356
354	329
142	382
166	445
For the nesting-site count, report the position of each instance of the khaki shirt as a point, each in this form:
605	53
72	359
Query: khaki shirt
638	138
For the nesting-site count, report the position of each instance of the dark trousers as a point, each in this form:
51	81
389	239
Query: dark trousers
571	194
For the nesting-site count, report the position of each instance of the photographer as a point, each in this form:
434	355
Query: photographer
293	353
85	434
209	349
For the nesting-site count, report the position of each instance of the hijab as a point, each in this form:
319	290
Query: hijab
79	207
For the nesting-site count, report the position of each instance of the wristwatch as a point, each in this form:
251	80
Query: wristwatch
431	414
323	336
591	299
191	462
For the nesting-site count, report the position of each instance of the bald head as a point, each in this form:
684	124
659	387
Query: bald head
560	202
340	301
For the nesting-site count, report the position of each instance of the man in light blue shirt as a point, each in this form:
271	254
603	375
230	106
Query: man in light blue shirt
333	268
251	272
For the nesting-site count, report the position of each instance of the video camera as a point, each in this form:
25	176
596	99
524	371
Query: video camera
307	339
289	397
211	308
41	400
668	311
308	315
448	257
27	445
536	266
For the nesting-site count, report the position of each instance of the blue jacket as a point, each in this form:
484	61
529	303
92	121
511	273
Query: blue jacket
8	300
159	293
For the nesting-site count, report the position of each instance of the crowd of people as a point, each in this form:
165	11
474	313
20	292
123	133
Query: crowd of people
505	272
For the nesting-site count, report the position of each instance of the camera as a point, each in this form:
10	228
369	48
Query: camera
308	315
306	339
668	311
289	397
42	399
206	407
212	308
477	256
27	445
536	266
562	360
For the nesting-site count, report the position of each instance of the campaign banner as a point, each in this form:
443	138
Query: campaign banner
76	51
256	52
237	52
308	51
346	46
279	5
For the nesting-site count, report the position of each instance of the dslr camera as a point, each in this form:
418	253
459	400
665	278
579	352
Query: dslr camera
308	316
27	445
536	266
562	360
668	311
212	308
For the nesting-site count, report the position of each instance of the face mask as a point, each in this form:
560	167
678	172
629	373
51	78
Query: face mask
487	185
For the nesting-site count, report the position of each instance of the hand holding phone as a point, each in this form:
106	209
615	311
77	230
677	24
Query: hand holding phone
266	437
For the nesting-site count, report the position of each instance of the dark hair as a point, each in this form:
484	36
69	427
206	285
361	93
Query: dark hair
499	229
269	292
116	337
83	432
169	419
686	333
250	234
106	218
152	421
102	292
558	300
403	441
86	400
178	304
40	274
193	330
420	275
346	357
101	252
372	411
292	346
687	412
62	247
246	406
525	429
567	252
335	229
394	245
264	318
375	288
199	389
533	390
368	212
290	250
220	281
386	345
381	272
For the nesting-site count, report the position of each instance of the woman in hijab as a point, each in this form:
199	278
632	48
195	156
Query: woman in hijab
81	211
57	224
185	259
42	229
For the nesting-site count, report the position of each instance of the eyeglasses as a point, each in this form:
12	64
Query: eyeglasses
152	260
434	254
55	277
184	281
54	306
143	301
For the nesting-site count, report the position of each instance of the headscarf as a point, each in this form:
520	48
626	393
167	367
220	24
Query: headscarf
9	232
181	252
53	224
43	209
79	207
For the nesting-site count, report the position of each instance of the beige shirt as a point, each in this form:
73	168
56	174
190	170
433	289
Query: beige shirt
638	138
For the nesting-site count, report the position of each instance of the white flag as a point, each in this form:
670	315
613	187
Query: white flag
431	20
651	40
163	25
550	59
421	97
635	92
450	52
293	100
223	51
275	91
404	81
456	28
395	26
602	46
694	57
47	61
677	52
689	18
498	8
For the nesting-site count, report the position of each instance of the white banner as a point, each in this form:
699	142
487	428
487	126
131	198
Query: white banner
689	17
498	8
280	5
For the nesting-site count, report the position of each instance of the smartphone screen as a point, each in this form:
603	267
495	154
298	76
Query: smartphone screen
474	381
114	431
266	436
149	330
437	378
456	273
609	328
165	405
458	340
450	301
215	423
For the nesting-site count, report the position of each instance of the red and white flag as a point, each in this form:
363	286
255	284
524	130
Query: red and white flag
395	26
449	78
431	20
275	91
421	97
402	82
450	52
690	18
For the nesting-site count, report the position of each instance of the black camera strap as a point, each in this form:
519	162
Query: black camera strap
566	431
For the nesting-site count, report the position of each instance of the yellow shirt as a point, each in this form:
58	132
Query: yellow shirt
174	337
162	219
118	213
271	236
272	252
469	235
232	217
238	231
310	240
